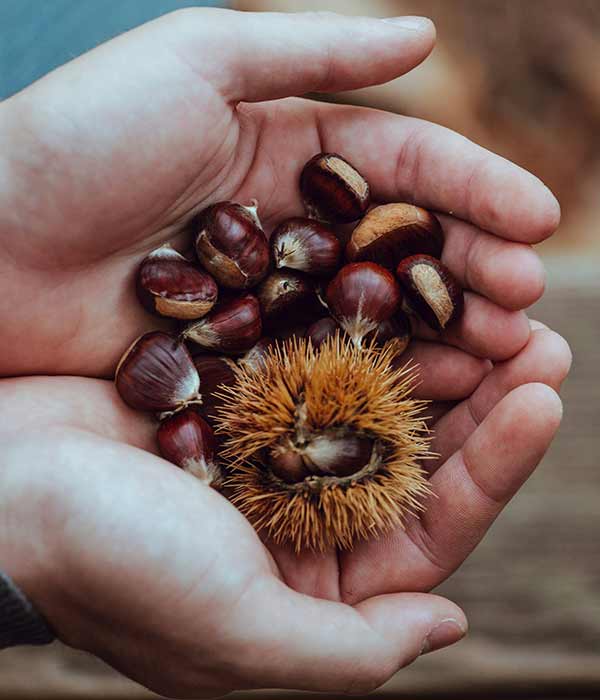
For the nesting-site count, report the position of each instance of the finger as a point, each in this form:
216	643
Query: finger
253	57
407	159
444	373
545	359
436	410
507	273
310	644
485	330
475	484
470	489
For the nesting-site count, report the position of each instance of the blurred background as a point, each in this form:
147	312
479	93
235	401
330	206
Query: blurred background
523	79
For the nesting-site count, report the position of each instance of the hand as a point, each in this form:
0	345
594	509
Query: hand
109	157
141	564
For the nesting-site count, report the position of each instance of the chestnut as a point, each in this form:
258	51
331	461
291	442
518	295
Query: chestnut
391	232
333	190
397	328
186	439
337	454
320	330
169	285
156	373
214	372
231	245
255	358
431	290
361	296
286	298
233	326
306	245
287	464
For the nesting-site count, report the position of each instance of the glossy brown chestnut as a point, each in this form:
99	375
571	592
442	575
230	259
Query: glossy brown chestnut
320	330
214	372
333	190
397	328
337	454
231	245
391	232
361	296
306	245
431	290
186	439
169	285
287	464
286	298
156	373
254	358
233	326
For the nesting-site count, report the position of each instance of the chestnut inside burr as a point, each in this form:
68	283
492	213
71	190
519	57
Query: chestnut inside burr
338	453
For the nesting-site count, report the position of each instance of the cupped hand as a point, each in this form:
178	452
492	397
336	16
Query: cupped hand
109	157
143	565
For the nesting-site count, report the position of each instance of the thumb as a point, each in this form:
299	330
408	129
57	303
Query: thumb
312	644
263	56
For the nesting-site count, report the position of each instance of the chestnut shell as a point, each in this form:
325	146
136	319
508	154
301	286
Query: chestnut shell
390	232
333	189
233	326
156	373
306	245
231	245
169	285
431	290
185	439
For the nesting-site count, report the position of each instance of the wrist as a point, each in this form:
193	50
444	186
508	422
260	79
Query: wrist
21	623
28	555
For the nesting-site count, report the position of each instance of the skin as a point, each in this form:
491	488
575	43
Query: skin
132	559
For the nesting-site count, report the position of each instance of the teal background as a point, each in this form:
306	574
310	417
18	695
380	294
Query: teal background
39	35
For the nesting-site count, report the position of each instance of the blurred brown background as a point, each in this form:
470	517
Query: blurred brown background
523	79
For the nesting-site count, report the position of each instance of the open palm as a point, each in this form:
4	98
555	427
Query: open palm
110	156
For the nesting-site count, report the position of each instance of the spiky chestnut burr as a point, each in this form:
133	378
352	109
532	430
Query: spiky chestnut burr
283	429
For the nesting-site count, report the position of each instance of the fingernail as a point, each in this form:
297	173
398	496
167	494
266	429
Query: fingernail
536	325
415	24
447	632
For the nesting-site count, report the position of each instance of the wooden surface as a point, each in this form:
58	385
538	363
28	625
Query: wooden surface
531	590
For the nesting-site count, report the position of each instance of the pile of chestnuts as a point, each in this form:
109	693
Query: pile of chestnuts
244	292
